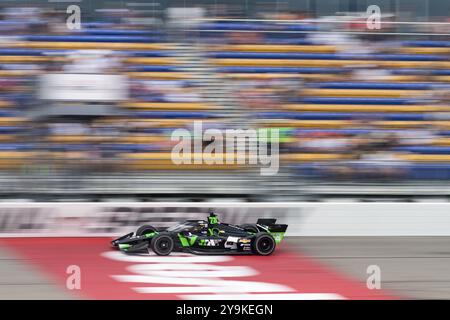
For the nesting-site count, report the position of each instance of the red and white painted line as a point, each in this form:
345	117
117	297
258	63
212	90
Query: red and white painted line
109	274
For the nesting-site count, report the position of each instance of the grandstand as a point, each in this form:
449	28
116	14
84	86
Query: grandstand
356	114
392	125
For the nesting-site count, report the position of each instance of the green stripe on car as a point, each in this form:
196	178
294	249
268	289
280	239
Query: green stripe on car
184	241
278	236
152	234
192	240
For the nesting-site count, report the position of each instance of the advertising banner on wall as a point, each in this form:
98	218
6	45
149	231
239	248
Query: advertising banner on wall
304	219
83	87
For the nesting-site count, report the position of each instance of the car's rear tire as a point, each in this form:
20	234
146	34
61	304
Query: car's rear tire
162	244
250	228
145	229
263	244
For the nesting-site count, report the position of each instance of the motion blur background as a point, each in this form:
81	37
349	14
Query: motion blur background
86	117
87	114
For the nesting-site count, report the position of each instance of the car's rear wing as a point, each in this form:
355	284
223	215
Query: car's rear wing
271	224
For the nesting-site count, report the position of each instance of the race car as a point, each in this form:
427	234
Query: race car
205	237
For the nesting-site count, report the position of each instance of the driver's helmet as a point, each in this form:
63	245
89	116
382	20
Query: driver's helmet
202	226
213	219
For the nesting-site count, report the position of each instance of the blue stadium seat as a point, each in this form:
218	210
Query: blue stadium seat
118	32
325	56
435	72
371	85
429	43
88	38
175	115
15	147
129	147
350	100
424	149
226	26
155	68
280	70
340	116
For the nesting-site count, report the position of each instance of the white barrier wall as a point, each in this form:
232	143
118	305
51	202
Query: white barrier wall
304	219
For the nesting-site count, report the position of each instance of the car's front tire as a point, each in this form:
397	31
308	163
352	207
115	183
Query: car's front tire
145	229
162	244
263	244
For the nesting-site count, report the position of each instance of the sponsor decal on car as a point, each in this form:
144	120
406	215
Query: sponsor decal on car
209	242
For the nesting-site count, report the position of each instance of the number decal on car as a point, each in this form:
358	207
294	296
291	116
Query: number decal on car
209	242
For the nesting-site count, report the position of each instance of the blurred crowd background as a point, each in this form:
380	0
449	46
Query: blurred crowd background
88	113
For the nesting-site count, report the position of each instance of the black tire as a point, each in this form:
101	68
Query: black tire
250	228
145	229
162	244
263	244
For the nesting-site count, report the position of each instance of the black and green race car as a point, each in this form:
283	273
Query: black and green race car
205	237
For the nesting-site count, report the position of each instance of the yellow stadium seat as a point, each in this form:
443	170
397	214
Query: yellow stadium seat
17	73
5	104
412	124
7	138
163	161
441	78
159	75
154	167
10	120
425	50
65	155
425	157
168	156
306	123
442	142
165	123
329	63
15	154
23	59
404	78
441	124
415	64
14	159
263	76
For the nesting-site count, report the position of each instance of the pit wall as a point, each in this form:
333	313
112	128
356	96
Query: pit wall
303	218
